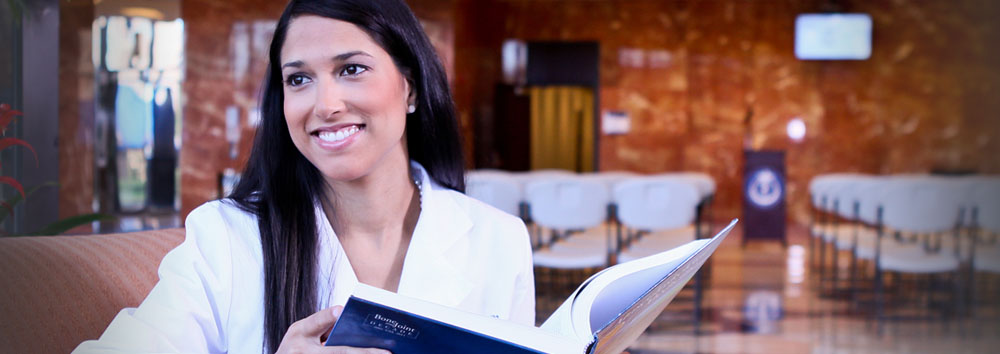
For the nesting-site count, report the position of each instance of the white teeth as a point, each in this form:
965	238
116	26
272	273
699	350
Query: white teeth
338	135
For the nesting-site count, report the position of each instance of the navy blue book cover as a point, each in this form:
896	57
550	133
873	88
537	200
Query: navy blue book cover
371	325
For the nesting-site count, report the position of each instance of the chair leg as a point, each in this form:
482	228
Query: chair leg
956	298
836	284
852	281
879	301
697	302
822	265
812	249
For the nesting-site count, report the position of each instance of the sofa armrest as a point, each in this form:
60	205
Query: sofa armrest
57	291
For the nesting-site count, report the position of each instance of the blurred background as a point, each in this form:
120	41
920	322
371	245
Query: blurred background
138	111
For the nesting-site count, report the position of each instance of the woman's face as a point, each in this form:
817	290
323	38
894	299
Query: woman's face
345	100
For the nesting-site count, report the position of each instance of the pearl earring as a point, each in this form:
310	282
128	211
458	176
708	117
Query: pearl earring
411	108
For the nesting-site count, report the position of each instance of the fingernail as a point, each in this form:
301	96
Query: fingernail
337	310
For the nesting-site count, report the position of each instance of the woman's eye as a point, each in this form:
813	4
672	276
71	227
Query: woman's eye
296	80
352	70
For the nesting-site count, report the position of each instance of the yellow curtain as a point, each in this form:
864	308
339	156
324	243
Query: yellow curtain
562	128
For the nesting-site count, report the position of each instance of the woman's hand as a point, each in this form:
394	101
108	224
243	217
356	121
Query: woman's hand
307	335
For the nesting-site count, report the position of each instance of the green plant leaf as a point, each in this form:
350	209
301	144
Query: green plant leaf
66	224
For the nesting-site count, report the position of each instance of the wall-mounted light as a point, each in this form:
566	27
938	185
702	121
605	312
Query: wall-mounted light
796	129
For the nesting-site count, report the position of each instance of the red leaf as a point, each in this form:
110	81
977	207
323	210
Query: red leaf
13	183
7	142
6	116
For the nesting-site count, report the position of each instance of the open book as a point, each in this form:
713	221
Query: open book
604	315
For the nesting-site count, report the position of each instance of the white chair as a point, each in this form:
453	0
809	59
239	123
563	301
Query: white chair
523	179
501	190
703	182
927	208
818	219
539	175
870	199
526	177
821	190
984	246
705	186
985	208
665	209
564	204
597	236
610	178
560	205
838	236
833	191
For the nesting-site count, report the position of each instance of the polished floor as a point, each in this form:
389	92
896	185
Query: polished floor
763	298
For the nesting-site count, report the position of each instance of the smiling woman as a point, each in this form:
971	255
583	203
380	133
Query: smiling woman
345	100
356	176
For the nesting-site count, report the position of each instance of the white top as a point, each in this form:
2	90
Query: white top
210	297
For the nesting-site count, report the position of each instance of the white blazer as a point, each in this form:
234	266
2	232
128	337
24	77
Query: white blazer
210	296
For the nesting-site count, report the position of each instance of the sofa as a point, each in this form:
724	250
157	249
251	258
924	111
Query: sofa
57	291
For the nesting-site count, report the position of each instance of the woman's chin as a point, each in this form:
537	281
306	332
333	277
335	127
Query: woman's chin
341	176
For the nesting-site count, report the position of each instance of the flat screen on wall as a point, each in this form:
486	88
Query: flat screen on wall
840	36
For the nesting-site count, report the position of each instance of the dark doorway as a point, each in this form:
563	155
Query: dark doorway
549	65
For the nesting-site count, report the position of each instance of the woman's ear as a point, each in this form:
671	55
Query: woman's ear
411	91
411	95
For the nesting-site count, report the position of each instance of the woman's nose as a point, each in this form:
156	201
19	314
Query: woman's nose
329	100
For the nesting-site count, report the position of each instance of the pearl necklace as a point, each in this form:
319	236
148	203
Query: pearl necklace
418	181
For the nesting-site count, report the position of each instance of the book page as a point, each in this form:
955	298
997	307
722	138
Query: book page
608	297
625	327
560	321
622	293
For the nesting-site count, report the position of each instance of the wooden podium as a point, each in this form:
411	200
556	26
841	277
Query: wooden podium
764	189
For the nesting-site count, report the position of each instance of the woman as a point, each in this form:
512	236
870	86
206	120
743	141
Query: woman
355	176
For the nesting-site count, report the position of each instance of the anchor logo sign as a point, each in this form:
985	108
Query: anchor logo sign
764	189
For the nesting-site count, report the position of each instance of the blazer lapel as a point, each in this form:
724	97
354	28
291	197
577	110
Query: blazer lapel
433	269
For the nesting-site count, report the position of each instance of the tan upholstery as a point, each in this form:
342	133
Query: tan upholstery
58	291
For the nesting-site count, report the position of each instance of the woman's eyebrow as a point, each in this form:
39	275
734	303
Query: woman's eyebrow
339	57
345	56
293	64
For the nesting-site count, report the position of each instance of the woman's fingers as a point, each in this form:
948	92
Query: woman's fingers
301	336
319	323
337	310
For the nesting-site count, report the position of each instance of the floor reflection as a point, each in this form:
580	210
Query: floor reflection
761	299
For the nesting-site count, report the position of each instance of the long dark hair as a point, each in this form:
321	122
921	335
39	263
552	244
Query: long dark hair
281	187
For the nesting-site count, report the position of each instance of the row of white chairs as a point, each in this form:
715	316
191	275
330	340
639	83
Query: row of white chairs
506	190
573	214
583	222
905	224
